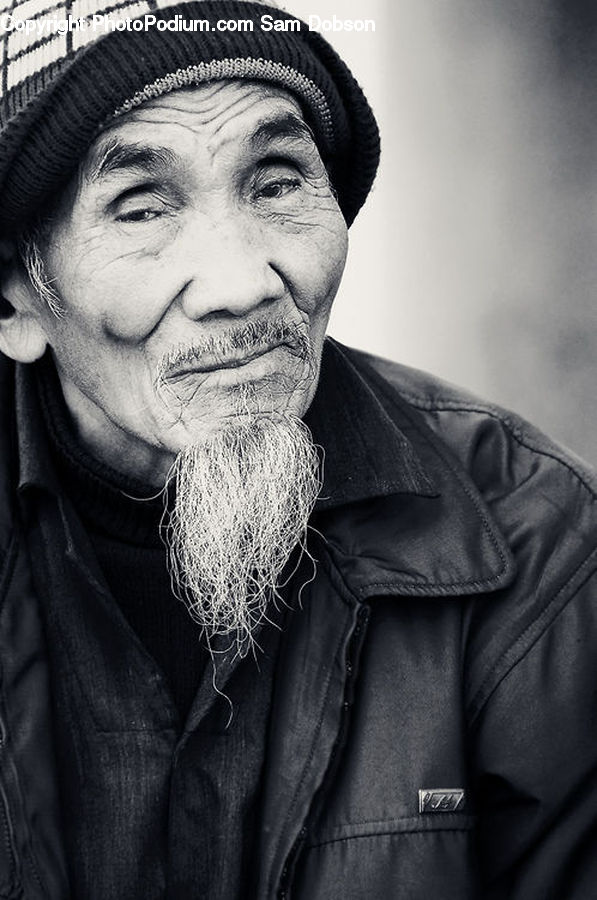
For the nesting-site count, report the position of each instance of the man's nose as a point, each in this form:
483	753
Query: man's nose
233	269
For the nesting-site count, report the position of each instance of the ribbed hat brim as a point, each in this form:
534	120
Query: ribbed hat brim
51	116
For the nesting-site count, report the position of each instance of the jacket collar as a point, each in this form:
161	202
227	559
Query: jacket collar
397	511
421	527
359	440
365	453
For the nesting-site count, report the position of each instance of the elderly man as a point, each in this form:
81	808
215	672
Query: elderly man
277	619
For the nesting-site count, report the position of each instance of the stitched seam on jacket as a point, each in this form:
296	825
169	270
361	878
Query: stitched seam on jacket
396	832
437	445
426	588
399	822
513	428
534	631
307	765
9	563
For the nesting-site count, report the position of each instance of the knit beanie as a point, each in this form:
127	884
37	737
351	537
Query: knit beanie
64	79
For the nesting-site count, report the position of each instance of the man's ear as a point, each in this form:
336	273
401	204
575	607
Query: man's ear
22	336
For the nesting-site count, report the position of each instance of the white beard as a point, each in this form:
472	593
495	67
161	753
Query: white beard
243	499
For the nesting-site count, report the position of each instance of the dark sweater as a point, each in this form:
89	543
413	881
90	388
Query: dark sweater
160	795
122	519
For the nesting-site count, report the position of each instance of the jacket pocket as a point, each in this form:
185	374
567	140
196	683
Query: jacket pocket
409	859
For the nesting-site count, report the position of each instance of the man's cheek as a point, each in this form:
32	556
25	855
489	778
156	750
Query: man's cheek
132	308
320	218
319	247
318	293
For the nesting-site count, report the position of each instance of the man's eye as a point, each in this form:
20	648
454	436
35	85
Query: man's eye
141	204
135	211
279	187
276	178
139	215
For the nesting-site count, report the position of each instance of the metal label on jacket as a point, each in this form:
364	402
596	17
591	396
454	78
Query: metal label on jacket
441	800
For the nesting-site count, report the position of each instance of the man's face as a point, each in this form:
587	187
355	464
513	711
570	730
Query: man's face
197	258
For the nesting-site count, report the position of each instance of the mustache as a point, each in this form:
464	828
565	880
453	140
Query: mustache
215	350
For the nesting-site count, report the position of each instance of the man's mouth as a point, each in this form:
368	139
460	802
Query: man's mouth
235	349
233	360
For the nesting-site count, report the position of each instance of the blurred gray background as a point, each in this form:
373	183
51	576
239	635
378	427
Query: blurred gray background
475	257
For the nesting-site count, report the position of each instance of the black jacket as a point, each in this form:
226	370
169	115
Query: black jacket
435	719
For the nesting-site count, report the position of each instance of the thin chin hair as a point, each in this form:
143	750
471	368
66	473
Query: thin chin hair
242	502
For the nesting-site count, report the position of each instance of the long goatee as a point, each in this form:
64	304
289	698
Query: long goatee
243	498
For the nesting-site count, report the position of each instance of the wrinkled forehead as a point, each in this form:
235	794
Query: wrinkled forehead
231	109
234	115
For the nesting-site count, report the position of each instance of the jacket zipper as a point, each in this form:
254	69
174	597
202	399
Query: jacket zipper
352	658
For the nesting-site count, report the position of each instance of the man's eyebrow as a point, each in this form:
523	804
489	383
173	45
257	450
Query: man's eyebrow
119	155
286	125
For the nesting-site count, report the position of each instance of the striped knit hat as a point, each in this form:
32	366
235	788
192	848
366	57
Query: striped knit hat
63	78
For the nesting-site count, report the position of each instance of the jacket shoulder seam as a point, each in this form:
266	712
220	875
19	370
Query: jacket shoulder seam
532	634
7	563
508	422
449	459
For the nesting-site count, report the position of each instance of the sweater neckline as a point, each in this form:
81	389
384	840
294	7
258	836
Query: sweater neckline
107	501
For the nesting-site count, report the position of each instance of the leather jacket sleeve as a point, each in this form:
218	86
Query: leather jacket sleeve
536	755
